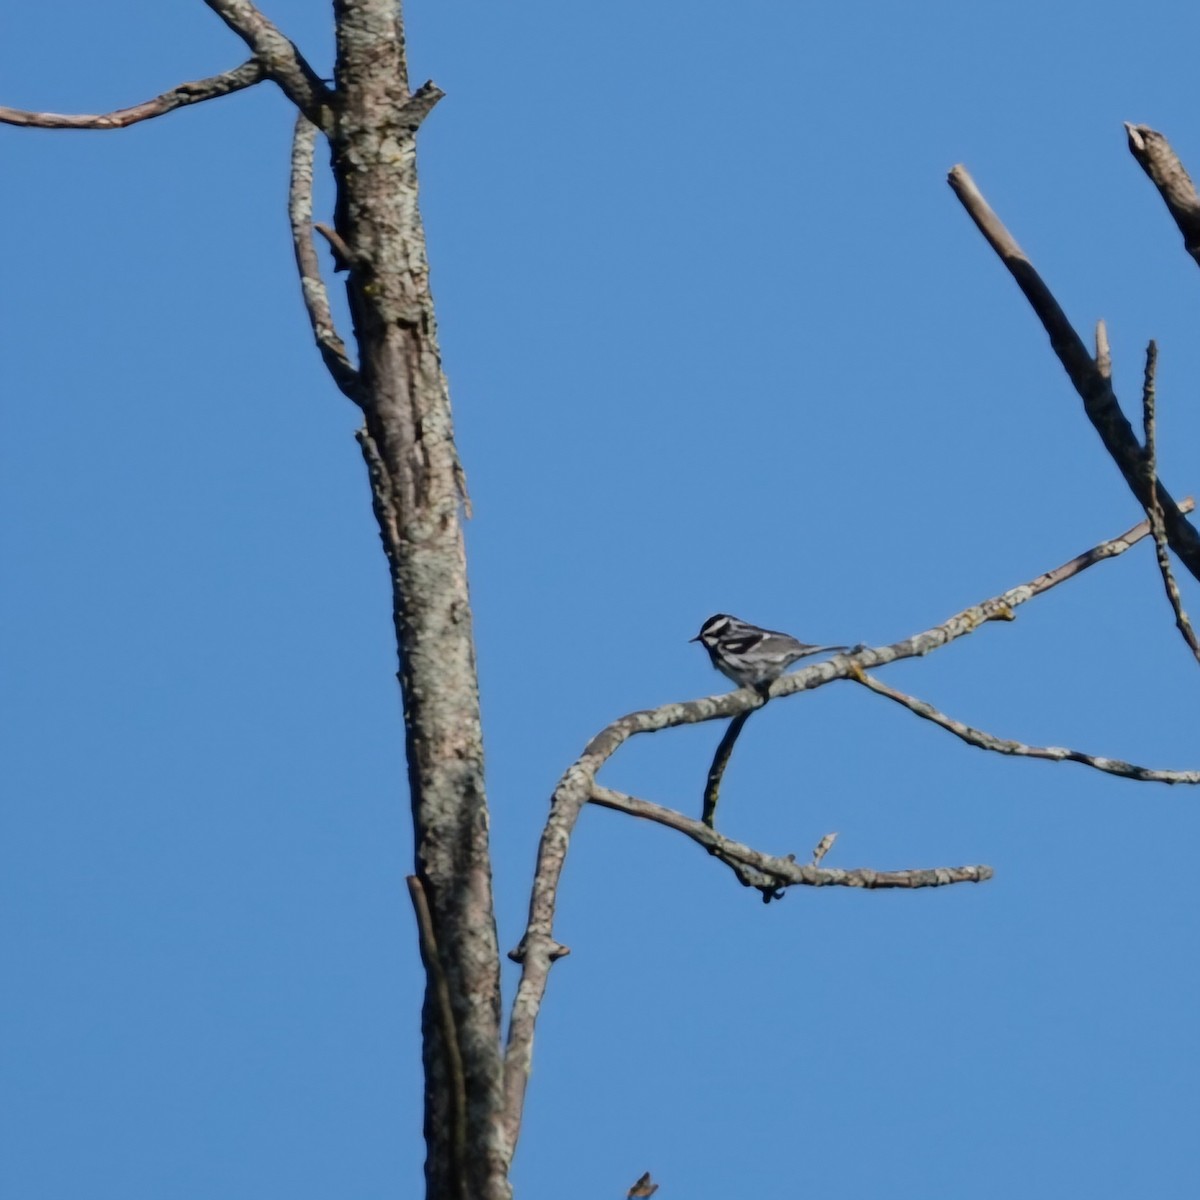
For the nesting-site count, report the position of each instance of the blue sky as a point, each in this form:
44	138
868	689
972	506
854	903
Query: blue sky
719	338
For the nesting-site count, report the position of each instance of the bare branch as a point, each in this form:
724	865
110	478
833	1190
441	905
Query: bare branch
712	787
281	59
419	105
343	258
247	75
998	608
1149	373
770	872
538	950
823	847
1089	379
644	1187
316	298
1103	353
1154	511
1167	173
441	988
986	741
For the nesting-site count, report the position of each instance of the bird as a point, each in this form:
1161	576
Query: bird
749	654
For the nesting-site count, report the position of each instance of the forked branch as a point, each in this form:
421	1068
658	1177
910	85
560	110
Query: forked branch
1091	382
247	75
1154	511
771	873
281	59
273	57
538	950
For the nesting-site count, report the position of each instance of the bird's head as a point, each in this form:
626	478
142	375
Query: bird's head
712	629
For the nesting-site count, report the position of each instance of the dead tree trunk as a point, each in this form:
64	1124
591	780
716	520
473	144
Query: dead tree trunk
416	484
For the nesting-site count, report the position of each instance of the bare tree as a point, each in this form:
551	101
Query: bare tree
369	116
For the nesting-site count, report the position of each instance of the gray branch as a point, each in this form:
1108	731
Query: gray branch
312	285
1154	510
716	772
280	58
419	105
1089	379
1155	156
770	873
538	950
247	75
986	741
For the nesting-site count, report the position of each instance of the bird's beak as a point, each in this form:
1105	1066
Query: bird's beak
695	639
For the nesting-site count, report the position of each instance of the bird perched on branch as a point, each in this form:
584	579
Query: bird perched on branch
748	654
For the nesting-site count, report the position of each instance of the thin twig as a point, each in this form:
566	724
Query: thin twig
769	872
436	974
986	741
316	298
1149	373
823	847
343	259
247	75
538	950
1154	511
281	59
1090	381
1155	156
712	786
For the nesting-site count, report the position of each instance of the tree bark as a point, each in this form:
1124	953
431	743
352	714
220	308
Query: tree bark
416	484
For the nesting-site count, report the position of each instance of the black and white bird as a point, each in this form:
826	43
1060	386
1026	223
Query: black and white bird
750	655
